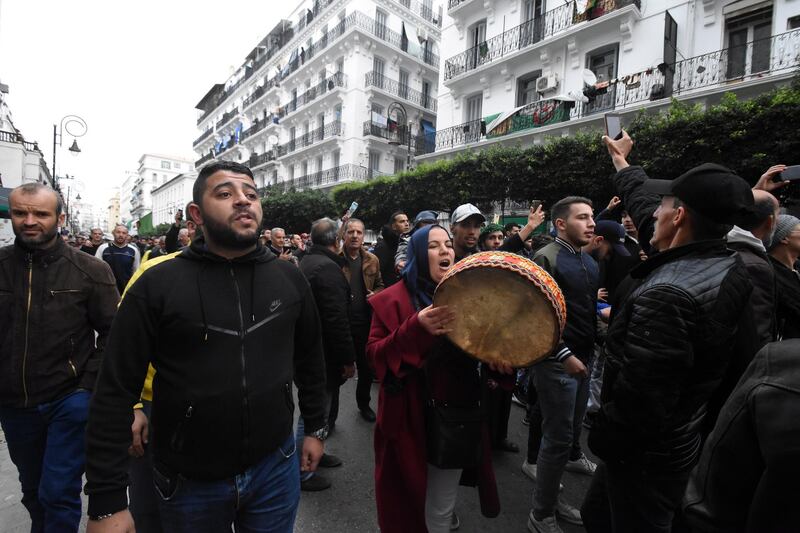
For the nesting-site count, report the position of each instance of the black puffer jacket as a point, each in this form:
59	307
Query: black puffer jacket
746	479
639	204
787	282
666	351
757	321
323	270
51	304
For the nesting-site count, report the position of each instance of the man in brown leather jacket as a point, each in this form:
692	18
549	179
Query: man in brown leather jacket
53	299
363	271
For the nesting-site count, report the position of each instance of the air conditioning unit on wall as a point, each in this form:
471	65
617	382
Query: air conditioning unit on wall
547	84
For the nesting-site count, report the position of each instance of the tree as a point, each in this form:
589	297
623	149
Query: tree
295	211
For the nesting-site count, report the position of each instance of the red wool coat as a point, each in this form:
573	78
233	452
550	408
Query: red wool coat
398	344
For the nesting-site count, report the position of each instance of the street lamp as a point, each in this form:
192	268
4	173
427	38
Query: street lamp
79	128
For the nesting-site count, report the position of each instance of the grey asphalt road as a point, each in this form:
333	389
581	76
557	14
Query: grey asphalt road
349	506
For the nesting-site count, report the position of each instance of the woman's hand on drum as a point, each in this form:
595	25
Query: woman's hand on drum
501	368
436	320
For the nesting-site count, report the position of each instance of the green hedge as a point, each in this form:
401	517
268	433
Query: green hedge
747	136
295	211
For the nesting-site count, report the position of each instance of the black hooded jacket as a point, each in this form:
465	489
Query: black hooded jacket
227	338
385	250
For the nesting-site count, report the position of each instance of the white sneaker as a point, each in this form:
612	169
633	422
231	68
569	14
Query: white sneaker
581	465
530	470
568	513
545	525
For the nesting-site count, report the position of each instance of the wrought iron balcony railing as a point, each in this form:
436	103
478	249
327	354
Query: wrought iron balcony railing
226	118
261	159
375	79
203	136
452	4
424	10
527	34
208	157
337	80
420	144
312	137
260	91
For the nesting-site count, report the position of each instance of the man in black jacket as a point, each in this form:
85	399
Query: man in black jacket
746	479
386	249
53	298
668	342
322	267
227	327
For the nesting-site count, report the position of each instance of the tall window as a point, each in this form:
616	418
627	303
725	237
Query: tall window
374	160
403	82
426	94
336	158
321	120
340	65
526	88
380	23
603	62
319	163
399	165
532	13
165	164
477	44
474	107
305	168
749	43
377	68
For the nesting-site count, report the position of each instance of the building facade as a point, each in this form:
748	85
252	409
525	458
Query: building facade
171	196
154	170
341	90
113	216
126	196
21	161
515	72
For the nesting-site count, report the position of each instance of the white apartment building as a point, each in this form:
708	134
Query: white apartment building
21	161
336	92
126	195
113	217
511	68
154	170
171	196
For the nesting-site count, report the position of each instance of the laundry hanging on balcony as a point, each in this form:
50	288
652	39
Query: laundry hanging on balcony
533	115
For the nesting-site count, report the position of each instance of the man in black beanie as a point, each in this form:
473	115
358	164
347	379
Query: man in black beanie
668	343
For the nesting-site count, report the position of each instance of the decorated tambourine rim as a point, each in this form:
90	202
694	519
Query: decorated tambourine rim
520	265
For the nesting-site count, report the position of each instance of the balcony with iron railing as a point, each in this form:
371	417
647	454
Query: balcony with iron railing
393	87
260	91
420	144
526	34
755	61
205	135
330	177
325	86
256	160
17	138
226	118
452	4
208	157
423	10
318	135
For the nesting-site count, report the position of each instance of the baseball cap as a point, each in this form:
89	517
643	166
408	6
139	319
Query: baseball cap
711	190
425	216
464	211
614	233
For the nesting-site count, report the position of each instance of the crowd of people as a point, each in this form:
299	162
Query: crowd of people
166	371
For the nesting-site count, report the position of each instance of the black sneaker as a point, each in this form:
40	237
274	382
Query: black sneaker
329	461
315	483
368	414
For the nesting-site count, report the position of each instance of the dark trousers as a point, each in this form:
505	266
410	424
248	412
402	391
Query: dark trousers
498	408
535	429
625	499
360	334
333	399
143	496
46	444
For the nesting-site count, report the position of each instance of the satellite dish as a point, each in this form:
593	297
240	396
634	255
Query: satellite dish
589	77
272	139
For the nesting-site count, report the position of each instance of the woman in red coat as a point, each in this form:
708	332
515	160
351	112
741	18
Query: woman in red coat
406	348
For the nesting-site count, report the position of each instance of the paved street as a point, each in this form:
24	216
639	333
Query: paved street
349	506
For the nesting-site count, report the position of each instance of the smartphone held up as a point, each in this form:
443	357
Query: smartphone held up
791	173
613	126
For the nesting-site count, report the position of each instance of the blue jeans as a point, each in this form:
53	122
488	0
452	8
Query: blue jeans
562	399
46	443
263	499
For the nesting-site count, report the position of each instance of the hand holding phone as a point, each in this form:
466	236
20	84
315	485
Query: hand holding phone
352	209
791	173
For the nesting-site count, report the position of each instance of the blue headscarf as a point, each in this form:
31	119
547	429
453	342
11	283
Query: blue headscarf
417	272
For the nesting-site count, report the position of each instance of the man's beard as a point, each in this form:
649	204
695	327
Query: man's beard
222	235
35	242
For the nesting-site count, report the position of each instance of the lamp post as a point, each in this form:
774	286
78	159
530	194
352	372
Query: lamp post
80	127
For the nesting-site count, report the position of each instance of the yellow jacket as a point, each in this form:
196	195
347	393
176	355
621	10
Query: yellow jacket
147	388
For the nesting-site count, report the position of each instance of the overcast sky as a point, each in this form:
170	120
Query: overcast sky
132	70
